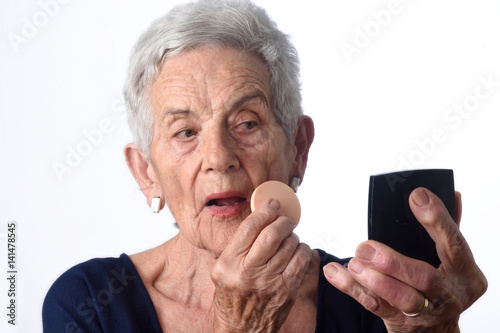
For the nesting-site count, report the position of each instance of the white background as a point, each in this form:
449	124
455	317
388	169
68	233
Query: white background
370	110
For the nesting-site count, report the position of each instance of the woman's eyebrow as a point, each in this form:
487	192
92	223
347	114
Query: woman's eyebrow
247	98
175	112
172	112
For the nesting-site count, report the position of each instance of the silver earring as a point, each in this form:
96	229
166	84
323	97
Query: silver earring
155	204
295	183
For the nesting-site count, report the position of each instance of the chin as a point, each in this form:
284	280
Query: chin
213	234
221	237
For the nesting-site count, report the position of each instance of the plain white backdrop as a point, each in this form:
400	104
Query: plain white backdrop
390	85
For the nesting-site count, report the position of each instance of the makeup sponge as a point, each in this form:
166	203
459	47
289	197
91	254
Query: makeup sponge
290	205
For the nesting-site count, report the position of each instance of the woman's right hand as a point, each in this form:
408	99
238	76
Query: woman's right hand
258	274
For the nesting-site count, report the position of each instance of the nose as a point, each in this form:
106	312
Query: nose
219	150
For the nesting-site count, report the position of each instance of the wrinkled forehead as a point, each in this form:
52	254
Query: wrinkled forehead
209	77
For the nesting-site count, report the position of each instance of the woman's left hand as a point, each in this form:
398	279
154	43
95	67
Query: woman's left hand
258	275
387	283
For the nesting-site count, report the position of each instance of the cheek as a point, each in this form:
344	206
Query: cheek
176	166
283	158
280	167
271	159
177	178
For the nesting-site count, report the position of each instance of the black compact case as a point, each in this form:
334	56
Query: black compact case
390	220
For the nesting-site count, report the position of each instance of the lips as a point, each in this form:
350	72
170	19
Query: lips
226	204
226	201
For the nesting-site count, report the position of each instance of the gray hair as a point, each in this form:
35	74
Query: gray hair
238	24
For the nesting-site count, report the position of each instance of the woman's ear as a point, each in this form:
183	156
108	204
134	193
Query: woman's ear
304	136
143	171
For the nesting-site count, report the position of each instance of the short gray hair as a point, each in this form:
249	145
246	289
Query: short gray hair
238	24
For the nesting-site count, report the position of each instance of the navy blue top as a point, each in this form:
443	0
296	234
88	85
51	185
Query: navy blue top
107	295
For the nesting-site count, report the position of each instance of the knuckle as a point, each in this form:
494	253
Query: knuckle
344	285
269	237
304	253
305	247
370	302
218	272
390	262
429	280
434	214
483	284
387	263
477	285
291	242
460	245
410	302
457	249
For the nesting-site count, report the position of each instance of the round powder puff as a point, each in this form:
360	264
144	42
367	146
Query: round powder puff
290	205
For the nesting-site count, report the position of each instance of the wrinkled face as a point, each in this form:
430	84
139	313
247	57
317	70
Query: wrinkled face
215	140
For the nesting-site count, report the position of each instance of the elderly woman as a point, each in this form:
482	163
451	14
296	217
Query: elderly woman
214	107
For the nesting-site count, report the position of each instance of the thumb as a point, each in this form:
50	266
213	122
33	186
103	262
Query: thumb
430	211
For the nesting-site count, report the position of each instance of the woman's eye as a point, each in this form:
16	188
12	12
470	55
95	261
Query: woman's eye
185	134
248	125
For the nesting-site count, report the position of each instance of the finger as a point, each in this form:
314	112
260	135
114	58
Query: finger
250	228
392	290
269	240
451	246
341	279
415	273
297	267
279	261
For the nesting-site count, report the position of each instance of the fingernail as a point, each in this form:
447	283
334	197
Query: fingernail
330	271
275	204
356	266
420	198
365	252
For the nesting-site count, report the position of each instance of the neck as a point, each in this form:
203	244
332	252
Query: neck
184	276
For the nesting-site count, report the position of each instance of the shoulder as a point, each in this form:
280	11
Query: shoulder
97	271
93	295
98	276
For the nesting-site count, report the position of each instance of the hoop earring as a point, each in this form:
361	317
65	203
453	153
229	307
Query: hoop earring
295	184
155	204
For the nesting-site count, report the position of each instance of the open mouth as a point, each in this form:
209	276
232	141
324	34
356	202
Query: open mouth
232	201
225	205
